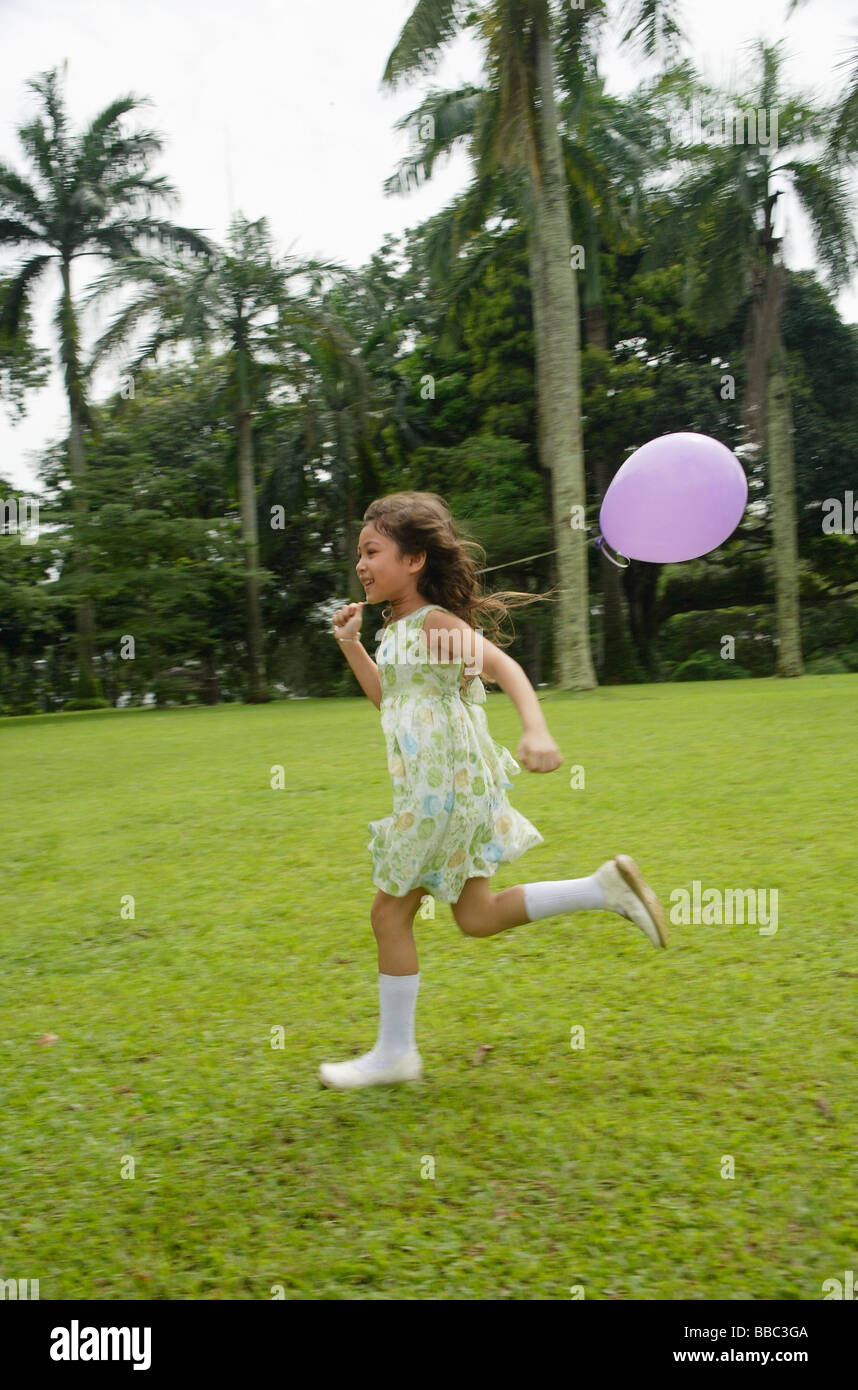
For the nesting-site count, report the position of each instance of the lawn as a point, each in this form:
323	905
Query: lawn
184	943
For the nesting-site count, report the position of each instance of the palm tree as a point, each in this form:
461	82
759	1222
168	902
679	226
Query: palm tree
90	196
275	341
720	220
609	148
517	137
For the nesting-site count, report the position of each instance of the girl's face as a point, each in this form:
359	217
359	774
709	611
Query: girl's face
382	571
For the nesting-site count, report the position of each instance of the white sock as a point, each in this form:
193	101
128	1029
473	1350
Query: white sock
397	1001
562	895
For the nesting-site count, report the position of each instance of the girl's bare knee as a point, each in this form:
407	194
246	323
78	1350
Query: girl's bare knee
390	914
467	921
475	907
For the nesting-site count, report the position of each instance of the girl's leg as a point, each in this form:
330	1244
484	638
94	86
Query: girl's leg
398	976
394	1057
392	922
617	886
480	912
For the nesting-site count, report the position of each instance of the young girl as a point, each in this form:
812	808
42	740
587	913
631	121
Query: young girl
452	824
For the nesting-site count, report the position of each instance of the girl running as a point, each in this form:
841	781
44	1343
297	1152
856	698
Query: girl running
452	824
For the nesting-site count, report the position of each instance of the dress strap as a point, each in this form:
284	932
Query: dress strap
427	608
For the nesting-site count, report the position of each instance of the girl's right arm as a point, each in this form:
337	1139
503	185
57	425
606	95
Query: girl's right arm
365	669
347	623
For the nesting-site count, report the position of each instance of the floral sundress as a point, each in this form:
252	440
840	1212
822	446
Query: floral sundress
451	818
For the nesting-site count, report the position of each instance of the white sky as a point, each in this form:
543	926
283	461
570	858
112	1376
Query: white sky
276	109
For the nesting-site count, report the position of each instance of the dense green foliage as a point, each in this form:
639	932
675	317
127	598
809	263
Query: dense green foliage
416	370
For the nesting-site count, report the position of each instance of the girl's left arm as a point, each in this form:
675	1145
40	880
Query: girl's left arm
537	750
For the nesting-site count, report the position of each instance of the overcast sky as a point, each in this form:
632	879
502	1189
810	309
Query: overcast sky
274	108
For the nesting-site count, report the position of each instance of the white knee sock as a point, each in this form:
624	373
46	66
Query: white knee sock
397	1000
562	895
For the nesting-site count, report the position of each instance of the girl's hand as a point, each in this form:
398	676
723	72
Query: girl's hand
538	752
347	620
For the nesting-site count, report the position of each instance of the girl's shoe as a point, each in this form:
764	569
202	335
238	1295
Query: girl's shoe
365	1071
627	892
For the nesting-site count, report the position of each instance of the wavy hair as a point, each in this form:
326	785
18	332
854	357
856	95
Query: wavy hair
421	521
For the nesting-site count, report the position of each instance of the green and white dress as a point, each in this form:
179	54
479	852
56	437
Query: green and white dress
451	818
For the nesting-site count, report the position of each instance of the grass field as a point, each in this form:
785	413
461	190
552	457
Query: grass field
597	1167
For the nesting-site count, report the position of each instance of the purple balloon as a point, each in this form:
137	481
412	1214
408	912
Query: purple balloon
673	499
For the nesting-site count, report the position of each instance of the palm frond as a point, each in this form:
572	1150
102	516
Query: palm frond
49	149
100	147
176	293
426	30
510	34
14	233
37	143
447	233
17	292
122	238
844	136
19	196
652	26
825	198
442	121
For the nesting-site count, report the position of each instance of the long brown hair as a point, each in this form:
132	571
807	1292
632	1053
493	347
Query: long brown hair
421	521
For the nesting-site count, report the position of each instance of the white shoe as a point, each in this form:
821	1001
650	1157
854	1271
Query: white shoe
627	892
365	1071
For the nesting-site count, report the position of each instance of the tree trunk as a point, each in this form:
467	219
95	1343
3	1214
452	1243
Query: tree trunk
353	528
211	692
558	384
767	418
641	584
87	686
537	297
784	524
256	694
616	643
616	647
596	328
533	647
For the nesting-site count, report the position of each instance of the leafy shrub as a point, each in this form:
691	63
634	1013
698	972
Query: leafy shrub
687	635
849	657
825	666
830	627
827	630
708	666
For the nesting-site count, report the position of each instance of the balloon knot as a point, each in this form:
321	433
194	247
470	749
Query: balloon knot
601	544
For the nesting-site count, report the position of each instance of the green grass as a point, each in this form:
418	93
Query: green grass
553	1166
